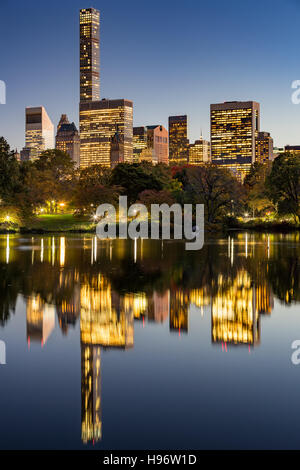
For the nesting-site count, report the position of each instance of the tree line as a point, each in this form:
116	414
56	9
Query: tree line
52	181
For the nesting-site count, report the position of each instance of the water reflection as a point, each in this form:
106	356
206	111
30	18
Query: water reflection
108	286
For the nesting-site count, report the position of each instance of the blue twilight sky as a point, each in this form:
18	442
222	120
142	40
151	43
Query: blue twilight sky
168	56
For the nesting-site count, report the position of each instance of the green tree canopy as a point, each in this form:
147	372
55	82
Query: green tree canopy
283	184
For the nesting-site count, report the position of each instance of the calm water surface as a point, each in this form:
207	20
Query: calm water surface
126	345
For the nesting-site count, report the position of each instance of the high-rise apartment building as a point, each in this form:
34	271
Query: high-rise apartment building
140	144
39	132
99	122
264	147
199	152
234	128
89	54
178	140
68	140
150	144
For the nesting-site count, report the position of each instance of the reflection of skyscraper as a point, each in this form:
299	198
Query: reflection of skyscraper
160	304
179	309
234	316
40	319
91	412
104	319
69	310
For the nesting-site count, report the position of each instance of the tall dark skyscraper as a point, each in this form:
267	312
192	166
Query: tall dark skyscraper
89	55
178	140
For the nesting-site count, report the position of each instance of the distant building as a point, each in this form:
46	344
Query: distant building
89	54
140	144
39	132
157	141
150	144
99	121
234	128
199	152
116	149
178	139
68	140
294	149
17	155
25	154
264	147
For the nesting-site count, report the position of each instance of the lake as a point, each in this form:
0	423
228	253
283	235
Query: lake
142	345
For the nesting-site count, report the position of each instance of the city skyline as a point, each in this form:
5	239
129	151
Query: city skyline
191	89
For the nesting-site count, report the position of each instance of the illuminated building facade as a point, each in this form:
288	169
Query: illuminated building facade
264	147
116	150
89	54
234	128
294	149
150	144
99	122
199	152
140	145
178	140
39	133
68	140
157	143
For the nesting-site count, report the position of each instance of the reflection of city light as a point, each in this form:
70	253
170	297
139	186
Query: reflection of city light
7	249
62	251
42	250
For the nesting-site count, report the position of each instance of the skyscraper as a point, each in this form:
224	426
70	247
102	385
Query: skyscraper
264	147
68	140
99	122
234	128
140	144
199	152
39	132
157	137
150	144
178	139
89	54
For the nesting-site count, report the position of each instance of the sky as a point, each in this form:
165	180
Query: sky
169	56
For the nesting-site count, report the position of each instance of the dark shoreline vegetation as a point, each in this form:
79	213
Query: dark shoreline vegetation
49	195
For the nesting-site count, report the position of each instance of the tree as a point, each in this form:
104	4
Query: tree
217	189
9	173
93	188
54	176
255	185
283	184
134	179
150	196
